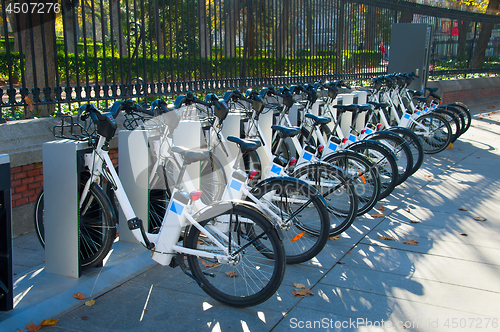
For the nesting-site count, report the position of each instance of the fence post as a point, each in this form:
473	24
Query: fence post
6	293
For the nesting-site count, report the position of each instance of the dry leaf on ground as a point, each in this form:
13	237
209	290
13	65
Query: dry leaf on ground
79	296
408	210
415	221
450	146
463	234
491	106
480	219
478	157
462	209
460	149
377	215
334	238
302	292
49	322
84	317
207	264
90	303
387	238
381	208
411	241
33	327
232	274
299	285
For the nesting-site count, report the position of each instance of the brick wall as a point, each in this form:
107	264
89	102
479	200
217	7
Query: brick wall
474	94
27	181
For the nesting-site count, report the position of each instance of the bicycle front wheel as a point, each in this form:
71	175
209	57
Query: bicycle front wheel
257	257
415	144
97	226
337	190
434	132
303	216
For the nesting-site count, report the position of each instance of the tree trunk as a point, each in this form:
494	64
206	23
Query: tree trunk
231	27
118	31
205	45
463	27
369	42
484	37
282	31
39	52
71	28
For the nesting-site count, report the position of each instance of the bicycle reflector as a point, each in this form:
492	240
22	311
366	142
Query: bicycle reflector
195	195
379	125
344	140
292	161
320	148
363	131
252	174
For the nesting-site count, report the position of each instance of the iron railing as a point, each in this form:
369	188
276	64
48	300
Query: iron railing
95	50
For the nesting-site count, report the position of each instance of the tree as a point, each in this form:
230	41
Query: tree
38	44
484	37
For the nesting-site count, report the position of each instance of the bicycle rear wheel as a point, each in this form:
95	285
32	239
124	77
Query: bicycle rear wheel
304	219
466	112
257	265
337	190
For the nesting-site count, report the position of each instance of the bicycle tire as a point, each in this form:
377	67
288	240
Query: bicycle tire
453	121
256	273
466	112
401	150
96	215
439	136
306	232
337	190
384	160
366	179
461	116
414	143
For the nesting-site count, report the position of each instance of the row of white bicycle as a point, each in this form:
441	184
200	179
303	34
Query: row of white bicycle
238	230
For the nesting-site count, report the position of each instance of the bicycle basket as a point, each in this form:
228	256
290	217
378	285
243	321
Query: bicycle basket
70	129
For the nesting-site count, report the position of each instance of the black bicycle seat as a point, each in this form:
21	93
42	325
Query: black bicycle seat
191	156
346	108
286	131
378	105
363	107
415	92
318	120
244	144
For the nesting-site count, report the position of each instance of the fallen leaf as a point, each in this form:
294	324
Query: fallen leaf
450	146
33	327
377	215
340	263
381	208
414	221
302	292
49	322
490	107
411	241
20	331
206	264
480	219
387	238
478	157
90	303
79	296
231	274
462	209
464	234
299	285
428	175
145	310
84	317
460	149
334	238
408	210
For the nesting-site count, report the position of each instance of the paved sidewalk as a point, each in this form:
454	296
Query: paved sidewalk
449	280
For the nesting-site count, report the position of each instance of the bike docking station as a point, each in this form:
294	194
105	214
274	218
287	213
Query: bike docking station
63	165
6	270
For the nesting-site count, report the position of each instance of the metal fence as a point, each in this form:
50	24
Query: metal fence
90	50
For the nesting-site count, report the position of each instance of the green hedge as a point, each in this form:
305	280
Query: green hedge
191	68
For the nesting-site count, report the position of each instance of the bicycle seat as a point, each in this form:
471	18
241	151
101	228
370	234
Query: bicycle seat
318	120
346	108
378	105
191	156
244	144
431	89
415	92
363	107
424	99
286	131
